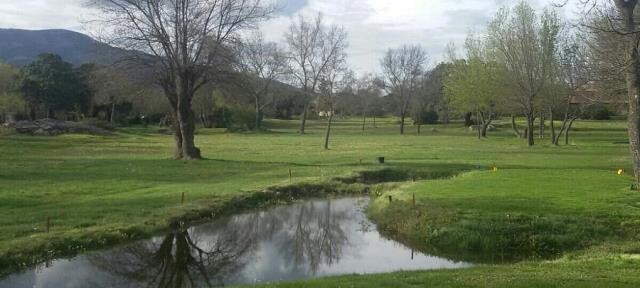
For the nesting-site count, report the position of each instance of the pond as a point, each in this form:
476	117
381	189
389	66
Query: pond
305	240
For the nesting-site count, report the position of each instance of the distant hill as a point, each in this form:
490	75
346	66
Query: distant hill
20	47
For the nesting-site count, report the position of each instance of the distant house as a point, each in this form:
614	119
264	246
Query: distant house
590	95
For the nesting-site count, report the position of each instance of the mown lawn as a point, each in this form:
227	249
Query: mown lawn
543	201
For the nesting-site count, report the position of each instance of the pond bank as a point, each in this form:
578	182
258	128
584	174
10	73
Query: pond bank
304	240
362	183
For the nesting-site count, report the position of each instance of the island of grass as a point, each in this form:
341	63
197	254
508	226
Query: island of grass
547	216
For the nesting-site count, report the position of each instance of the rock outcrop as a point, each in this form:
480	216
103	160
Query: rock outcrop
48	127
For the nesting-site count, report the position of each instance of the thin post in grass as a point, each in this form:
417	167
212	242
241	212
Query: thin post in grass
414	200
290	176
390	198
47	225
182	199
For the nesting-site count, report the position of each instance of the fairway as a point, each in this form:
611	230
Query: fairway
98	191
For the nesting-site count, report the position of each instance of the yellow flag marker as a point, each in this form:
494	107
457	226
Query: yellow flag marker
621	172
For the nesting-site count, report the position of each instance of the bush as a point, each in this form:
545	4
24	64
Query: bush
232	119
5	131
597	112
427	117
241	120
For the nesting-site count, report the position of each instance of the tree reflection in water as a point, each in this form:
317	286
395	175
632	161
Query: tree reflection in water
314	236
306	236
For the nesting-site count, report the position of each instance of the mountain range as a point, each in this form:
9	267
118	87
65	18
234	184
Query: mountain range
20	47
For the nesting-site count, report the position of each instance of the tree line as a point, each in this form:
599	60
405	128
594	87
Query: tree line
210	63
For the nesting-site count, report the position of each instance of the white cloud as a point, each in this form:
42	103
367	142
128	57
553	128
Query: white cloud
377	25
373	25
43	14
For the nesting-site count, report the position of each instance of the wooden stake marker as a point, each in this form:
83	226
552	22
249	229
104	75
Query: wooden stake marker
414	199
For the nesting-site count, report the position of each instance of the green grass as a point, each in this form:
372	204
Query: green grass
612	271
563	202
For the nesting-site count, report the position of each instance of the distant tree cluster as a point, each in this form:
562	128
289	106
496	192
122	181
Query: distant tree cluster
214	67
50	87
528	64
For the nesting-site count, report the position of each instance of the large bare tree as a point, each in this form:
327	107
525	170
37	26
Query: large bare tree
402	70
259	64
337	81
617	24
188	42
312	46
526	43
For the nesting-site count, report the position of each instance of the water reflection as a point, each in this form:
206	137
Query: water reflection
315	238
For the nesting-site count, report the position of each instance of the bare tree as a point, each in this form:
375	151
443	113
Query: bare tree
402	70
366	96
573	73
260	63
188	41
618	18
337	80
526	43
312	46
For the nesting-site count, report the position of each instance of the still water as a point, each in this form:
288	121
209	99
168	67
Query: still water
305	240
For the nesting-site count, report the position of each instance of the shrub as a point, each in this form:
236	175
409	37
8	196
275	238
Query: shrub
241	120
597	112
427	117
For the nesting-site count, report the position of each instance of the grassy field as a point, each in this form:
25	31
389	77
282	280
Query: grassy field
566	203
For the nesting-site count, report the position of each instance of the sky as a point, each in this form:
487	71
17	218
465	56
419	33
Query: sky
373	26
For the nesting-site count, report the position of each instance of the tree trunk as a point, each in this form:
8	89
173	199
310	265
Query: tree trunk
186	119
514	127
113	112
541	132
303	122
565	121
186	122
258	115
326	138
566	133
530	120
485	123
467	119
477	126
562	130
402	123
374	122
627	9
553	127
485	128
32	113
178	139
364	122
445	116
